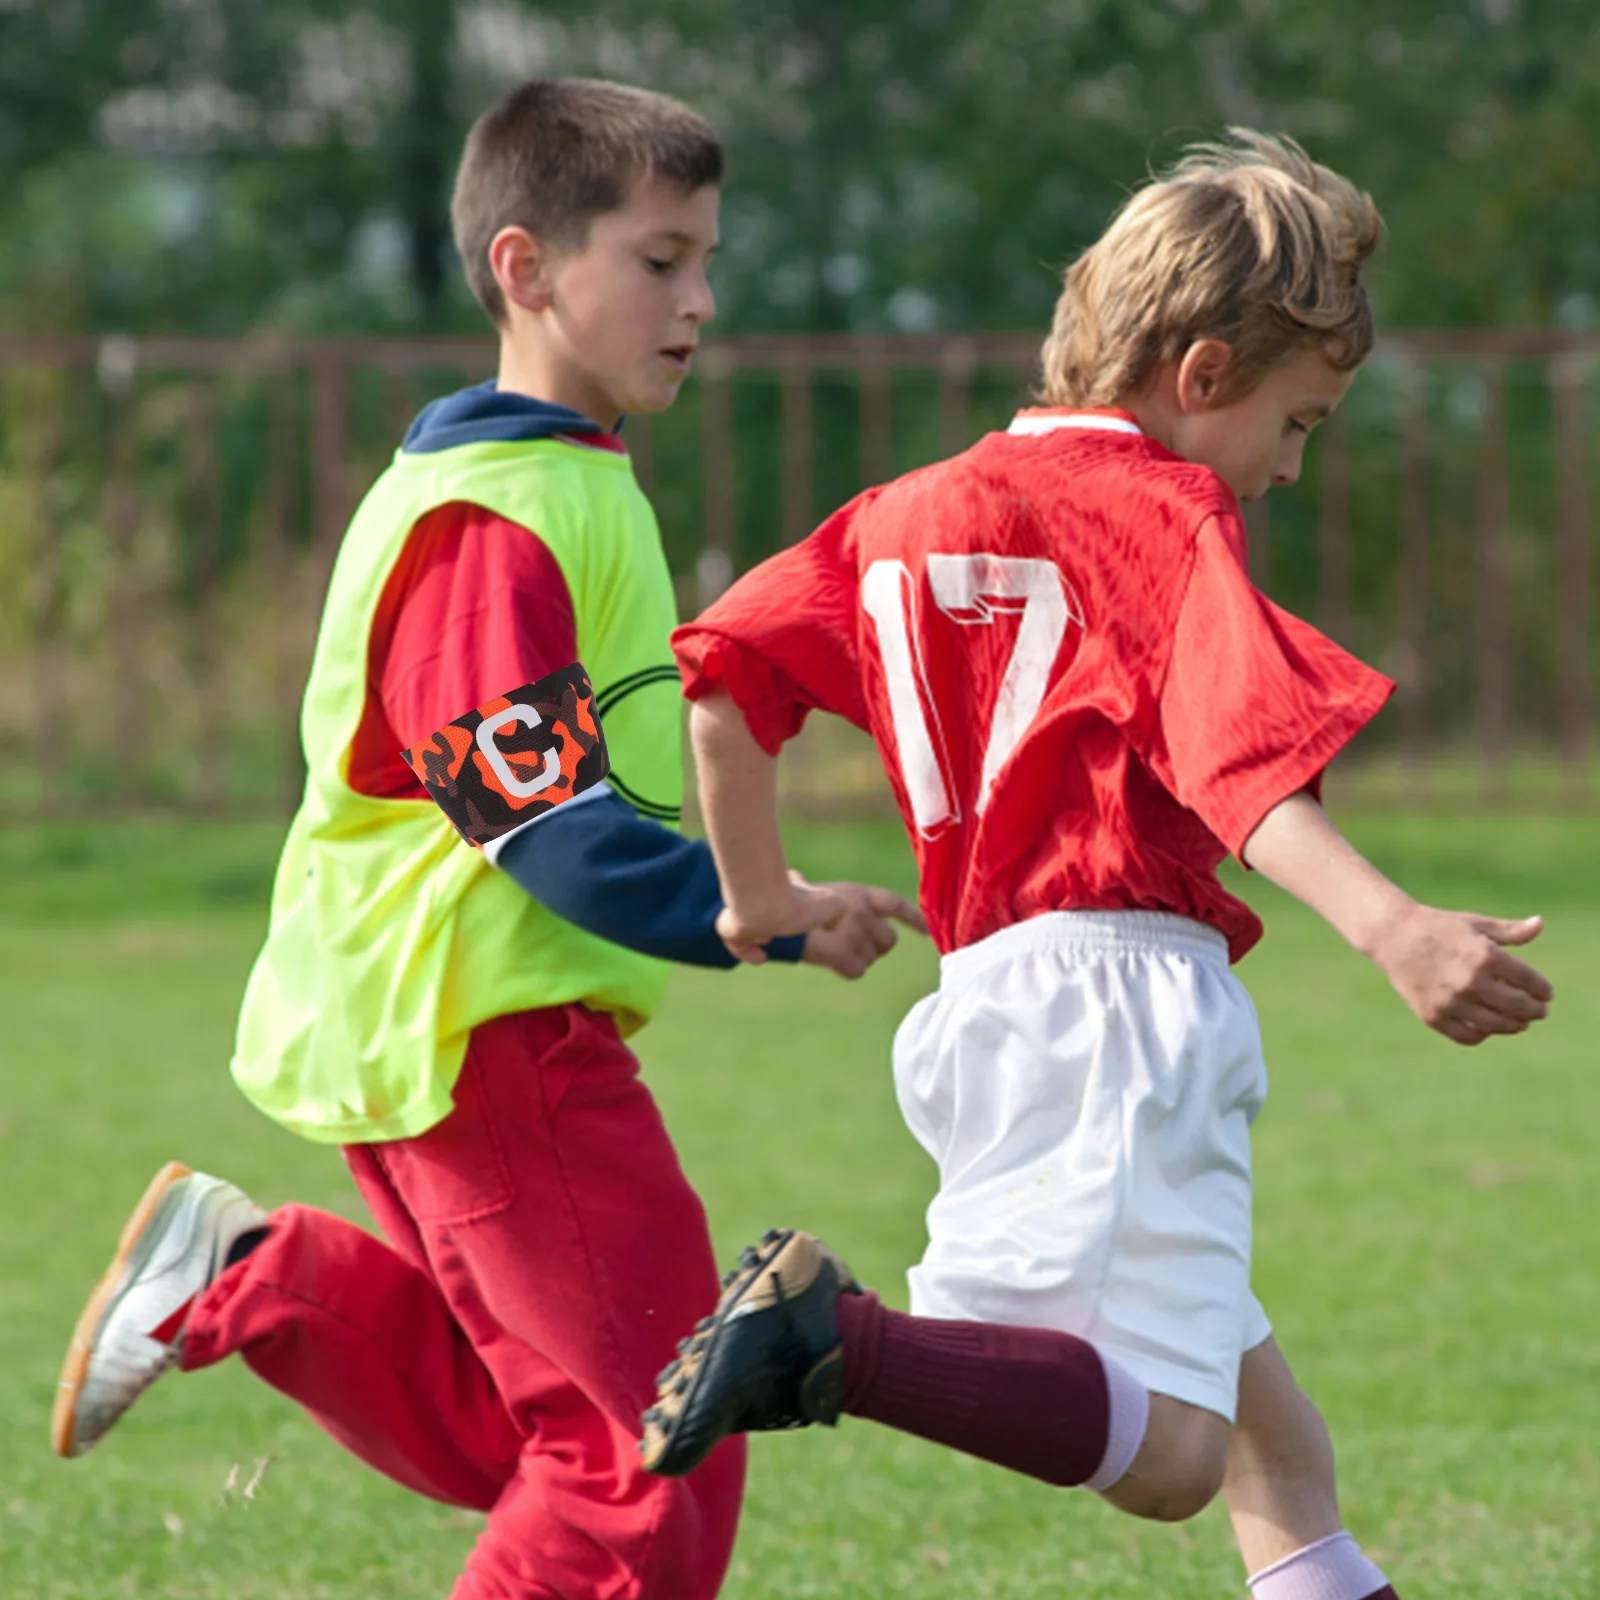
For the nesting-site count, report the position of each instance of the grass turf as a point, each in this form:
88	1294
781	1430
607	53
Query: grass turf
1427	1230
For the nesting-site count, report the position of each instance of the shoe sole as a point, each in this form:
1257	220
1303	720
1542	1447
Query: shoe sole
667	1462
75	1369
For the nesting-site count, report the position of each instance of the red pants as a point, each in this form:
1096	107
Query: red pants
545	1251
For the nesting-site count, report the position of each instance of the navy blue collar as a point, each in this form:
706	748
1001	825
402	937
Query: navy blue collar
482	413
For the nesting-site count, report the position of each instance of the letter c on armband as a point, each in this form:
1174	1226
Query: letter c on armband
514	785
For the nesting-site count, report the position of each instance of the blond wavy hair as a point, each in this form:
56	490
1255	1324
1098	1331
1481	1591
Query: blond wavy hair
1248	241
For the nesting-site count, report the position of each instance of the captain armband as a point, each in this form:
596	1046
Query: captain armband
516	757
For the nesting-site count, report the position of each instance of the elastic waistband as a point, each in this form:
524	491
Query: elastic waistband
1086	932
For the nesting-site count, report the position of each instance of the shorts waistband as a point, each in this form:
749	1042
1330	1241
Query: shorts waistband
1155	932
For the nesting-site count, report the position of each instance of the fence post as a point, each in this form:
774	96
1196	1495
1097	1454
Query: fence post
329	449
117	368
48	611
873	374
1333	529
1492	609
399	404
714	570
1413	579
1572	568
641	442
205	569
286	578
1030	379
956	363
796	446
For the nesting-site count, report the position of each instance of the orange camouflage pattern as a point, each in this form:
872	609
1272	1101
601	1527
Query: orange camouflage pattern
515	757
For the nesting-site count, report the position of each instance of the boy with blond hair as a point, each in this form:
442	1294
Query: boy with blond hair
1083	705
457	1029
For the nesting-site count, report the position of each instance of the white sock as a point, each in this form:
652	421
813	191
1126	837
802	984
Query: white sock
1331	1569
1130	1416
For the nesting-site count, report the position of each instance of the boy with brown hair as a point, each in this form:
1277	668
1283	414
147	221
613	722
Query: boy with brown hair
1083	705
459	1030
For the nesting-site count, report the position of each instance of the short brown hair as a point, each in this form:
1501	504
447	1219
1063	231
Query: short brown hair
1249	241
555	153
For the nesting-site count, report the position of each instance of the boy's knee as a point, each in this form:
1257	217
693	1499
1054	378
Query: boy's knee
1180	1467
1172	1491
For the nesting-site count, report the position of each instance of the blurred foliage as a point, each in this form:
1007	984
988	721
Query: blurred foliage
218	166
231	165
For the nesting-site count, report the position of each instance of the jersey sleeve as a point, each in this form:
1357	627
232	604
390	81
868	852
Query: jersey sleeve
783	641
1255	703
485	610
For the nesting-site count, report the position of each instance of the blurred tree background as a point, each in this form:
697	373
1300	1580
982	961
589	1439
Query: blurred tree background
231	166
250	167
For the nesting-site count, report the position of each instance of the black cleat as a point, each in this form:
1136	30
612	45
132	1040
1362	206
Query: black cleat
768	1357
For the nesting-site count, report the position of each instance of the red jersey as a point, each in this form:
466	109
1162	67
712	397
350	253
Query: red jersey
1081	700
475	605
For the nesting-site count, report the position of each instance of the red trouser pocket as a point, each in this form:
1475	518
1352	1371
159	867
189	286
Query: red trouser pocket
457	1170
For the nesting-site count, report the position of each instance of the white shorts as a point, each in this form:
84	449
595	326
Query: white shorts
1086	1082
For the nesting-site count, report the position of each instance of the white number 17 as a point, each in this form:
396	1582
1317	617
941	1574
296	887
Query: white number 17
973	590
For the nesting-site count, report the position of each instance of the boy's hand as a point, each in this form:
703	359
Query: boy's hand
1451	967
1453	970
744	929
846	925
863	933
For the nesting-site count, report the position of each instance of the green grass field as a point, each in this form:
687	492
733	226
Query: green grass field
1428	1227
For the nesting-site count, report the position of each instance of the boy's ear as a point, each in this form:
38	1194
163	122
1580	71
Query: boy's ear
1202	374
520	264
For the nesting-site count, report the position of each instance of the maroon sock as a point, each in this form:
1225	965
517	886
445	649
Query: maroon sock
1024	1398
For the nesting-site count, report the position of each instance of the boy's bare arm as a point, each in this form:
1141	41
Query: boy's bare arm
1450	967
846	924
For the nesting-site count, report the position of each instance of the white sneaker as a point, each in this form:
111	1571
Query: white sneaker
131	1331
